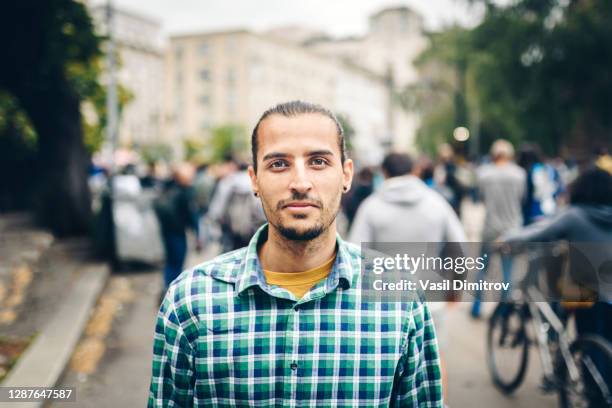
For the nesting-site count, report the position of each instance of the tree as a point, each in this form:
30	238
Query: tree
536	70
228	140
442	95
18	153
349	132
43	42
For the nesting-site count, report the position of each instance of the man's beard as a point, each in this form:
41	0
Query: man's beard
293	234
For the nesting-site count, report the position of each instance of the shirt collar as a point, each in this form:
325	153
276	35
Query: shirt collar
251	273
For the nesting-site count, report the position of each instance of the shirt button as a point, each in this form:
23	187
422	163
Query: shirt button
294	366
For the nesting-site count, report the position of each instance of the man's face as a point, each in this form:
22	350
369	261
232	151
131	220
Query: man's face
300	176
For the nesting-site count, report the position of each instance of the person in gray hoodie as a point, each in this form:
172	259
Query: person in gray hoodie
405	209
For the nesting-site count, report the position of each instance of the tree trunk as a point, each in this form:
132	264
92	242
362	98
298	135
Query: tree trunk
64	202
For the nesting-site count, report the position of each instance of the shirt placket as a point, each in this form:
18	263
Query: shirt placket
292	344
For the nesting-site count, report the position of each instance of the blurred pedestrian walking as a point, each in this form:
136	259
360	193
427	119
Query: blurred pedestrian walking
445	179
362	187
177	211
236	209
544	184
405	209
502	186
404	197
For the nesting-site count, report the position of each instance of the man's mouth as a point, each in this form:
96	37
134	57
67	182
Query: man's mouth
300	205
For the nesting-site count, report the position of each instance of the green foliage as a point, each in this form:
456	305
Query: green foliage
349	131
15	125
156	152
73	51
436	128
442	95
194	148
44	42
536	71
228	140
85	80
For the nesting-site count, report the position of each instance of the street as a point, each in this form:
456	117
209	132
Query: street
121	378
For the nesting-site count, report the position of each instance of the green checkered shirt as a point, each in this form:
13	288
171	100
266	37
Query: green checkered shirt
224	337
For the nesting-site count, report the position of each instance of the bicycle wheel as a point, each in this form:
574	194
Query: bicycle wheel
507	346
593	357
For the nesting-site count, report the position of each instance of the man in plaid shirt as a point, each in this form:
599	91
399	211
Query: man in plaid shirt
231	332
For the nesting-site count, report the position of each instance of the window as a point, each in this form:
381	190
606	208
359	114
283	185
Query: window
203	49
231	76
178	52
231	102
205	74
230	45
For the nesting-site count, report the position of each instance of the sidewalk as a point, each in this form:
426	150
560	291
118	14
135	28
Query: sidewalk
48	289
121	377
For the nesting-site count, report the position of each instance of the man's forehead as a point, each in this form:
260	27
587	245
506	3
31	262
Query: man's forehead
302	125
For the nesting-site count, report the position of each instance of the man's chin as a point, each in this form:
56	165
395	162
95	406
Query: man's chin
300	233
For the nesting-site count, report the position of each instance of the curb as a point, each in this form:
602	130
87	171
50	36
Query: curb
44	361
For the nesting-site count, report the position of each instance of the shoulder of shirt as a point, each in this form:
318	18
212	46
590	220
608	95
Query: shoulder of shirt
223	268
353	250
217	275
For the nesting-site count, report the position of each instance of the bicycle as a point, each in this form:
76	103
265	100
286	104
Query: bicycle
576	369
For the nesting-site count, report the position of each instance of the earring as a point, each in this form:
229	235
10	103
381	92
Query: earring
256	194
345	189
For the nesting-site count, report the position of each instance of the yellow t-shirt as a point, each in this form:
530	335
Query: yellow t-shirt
299	283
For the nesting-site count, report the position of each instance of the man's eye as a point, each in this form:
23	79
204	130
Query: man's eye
319	162
278	164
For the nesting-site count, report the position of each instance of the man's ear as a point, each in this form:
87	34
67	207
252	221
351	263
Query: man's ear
253	177
347	170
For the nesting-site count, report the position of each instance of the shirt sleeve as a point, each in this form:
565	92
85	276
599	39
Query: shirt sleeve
173	377
419	381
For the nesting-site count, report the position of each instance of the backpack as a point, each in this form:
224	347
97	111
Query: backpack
167	211
244	214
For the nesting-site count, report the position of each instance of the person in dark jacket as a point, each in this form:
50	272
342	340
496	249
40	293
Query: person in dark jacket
588	219
176	210
363	187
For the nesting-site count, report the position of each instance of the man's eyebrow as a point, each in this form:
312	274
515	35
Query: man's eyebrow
322	152
275	155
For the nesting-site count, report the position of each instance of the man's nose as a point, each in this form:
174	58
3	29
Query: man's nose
299	180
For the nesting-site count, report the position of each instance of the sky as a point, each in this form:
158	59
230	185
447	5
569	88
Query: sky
336	17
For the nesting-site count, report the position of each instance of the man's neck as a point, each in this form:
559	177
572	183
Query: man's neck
279	254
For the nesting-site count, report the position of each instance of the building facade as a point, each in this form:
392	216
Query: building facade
393	42
140	70
231	77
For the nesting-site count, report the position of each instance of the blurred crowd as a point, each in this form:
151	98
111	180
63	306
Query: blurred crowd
216	201
404	199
